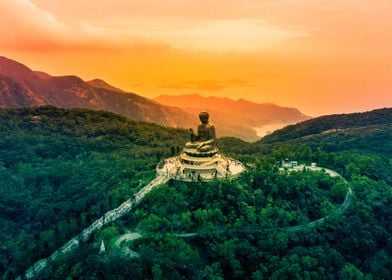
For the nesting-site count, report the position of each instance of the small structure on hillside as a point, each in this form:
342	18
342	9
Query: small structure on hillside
295	166
289	164
200	158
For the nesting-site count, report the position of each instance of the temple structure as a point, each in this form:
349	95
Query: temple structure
200	158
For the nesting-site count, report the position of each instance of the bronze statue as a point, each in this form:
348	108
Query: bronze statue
204	141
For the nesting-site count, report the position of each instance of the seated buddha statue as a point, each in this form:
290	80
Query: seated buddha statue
204	140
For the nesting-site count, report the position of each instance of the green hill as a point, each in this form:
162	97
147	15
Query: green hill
61	169
370	132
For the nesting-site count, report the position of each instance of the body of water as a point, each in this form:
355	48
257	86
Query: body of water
269	128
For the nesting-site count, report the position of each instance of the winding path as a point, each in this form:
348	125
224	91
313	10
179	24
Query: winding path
129	204
339	211
290	229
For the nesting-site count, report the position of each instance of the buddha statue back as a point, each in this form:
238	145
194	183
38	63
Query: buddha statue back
203	142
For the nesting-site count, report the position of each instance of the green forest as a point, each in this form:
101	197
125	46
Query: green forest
62	169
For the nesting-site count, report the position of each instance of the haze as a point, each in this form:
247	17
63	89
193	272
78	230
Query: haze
321	57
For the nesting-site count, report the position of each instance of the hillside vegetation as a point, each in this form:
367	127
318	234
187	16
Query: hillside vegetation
366	132
61	169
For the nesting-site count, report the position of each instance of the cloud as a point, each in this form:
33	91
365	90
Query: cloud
45	26
241	35
212	25
208	85
24	26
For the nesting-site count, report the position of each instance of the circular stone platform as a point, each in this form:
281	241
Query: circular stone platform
186	167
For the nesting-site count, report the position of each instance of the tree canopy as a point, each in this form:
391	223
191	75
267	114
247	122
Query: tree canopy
61	169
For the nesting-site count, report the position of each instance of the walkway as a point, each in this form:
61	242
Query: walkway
289	229
340	210
129	204
107	218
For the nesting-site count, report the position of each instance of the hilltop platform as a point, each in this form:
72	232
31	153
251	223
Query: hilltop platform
186	167
200	158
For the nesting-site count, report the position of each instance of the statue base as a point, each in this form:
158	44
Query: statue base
200	166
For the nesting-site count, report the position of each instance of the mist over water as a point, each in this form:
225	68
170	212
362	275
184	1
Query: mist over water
269	128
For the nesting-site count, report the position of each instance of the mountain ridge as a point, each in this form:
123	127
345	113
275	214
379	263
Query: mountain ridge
236	116
99	83
22	87
341	132
196	100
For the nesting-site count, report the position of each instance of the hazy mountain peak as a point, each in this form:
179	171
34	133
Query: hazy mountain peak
234	117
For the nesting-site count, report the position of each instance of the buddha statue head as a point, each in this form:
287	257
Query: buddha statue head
204	116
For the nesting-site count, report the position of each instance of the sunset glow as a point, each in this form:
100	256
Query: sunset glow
319	56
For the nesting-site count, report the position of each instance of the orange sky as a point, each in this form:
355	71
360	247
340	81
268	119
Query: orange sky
319	56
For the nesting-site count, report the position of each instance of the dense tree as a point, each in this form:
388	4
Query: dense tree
58	175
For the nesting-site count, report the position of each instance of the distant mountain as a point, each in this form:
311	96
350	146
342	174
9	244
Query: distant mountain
22	87
369	131
235	117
